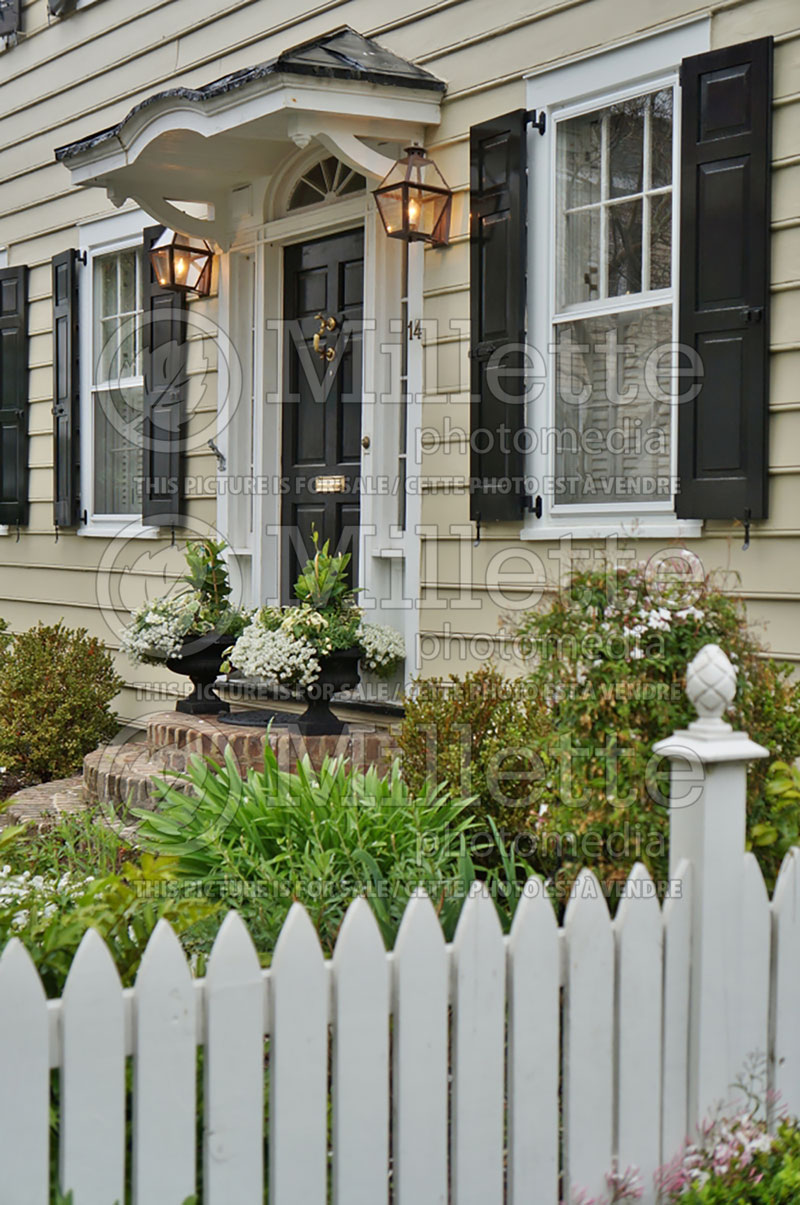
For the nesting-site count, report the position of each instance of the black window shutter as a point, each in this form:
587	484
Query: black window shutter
66	391
724	281
13	396
164	348
498	251
10	17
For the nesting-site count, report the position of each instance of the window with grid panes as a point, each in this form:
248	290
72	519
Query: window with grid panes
614	300
118	387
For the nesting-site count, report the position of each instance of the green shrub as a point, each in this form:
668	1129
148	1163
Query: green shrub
323	838
482	735
56	687
609	657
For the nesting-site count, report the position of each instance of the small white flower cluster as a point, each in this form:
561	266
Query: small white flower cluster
690	613
275	655
382	648
22	891
157	629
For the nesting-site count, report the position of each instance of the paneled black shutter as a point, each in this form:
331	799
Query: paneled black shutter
66	391
164	348
724	281
498	251
13	396
10	17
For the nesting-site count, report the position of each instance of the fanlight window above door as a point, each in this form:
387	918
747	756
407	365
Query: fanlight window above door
327	180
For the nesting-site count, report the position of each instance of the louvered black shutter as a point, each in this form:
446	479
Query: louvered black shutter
724	281
498	250
164	347
13	396
66	391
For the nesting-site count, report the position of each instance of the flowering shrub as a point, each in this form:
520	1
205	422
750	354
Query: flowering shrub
158	629
286	644
609	659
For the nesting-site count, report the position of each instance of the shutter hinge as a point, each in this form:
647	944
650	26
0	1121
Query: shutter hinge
533	505
84	516
477	539
539	122
752	313
746	524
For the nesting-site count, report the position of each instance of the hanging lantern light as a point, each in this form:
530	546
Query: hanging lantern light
182	263
414	200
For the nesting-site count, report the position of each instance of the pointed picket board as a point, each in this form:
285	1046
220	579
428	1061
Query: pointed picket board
639	1001
165	1074
479	974
92	1160
24	1081
677	925
360	1061
233	1153
298	1112
754	984
534	976
420	1057
588	1041
785	1054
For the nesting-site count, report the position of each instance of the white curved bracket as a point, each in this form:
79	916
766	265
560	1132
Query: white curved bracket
355	153
214	230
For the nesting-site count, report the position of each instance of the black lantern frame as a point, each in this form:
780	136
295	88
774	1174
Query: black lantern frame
412	208
182	264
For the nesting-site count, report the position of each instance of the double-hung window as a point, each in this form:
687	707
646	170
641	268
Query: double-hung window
112	377
638	181
613	303
603	290
117	388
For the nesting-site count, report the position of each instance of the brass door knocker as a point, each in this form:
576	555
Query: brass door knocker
327	323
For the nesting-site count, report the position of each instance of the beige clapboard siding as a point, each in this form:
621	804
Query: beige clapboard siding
78	75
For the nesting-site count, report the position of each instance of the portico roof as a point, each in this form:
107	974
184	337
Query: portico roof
181	143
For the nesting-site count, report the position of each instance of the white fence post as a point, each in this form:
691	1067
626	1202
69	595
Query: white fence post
707	827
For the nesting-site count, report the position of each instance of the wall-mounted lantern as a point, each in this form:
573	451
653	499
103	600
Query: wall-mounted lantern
182	264
414	200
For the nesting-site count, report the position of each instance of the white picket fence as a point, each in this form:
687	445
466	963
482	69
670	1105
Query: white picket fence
496	1069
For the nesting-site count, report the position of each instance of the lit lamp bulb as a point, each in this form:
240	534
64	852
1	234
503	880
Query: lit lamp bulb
413	213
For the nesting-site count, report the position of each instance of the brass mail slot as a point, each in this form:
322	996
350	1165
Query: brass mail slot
329	485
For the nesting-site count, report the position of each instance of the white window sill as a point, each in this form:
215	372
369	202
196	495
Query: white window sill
131	529
624	527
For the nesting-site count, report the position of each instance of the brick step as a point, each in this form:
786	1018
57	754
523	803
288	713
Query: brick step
123	775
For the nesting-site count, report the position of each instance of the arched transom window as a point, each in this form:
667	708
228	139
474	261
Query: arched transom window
327	180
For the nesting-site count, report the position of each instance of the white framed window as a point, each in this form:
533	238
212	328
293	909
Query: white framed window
112	382
603	277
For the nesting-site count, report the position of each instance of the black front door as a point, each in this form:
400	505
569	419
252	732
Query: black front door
323	304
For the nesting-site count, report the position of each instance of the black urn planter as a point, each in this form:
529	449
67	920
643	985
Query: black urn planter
338	671
200	658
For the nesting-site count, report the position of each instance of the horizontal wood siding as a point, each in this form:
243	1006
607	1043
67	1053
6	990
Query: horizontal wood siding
65	79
